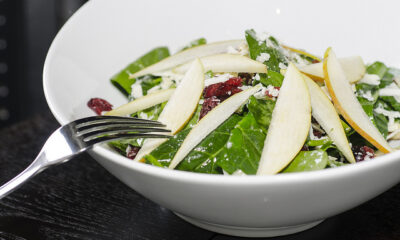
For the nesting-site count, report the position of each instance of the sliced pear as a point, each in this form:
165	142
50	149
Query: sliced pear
180	107
290	124
189	54
227	63
325	114
142	103
353	67
210	122
346	102
301	52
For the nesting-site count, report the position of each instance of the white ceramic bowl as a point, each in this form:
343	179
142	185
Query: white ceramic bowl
104	36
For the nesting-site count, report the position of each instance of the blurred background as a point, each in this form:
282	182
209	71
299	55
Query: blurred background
27	28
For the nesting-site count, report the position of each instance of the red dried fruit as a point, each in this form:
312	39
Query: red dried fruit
304	148
315	61
269	94
208	105
99	105
234	82
222	89
132	151
362	152
218	92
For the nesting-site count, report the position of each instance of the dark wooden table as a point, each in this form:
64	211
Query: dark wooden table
81	200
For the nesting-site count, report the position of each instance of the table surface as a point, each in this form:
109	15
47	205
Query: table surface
81	200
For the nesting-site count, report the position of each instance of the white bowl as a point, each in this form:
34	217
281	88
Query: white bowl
104	36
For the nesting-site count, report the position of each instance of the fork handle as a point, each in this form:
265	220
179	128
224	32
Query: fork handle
38	165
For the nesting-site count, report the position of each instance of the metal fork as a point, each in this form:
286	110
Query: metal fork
81	135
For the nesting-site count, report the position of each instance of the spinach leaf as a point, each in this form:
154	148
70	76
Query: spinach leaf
148	82
381	123
202	157
319	142
256	48
163	154
122	81
377	68
273	78
347	129
243	148
308	161
392	102
151	113
262	111
195	118
121	145
195	43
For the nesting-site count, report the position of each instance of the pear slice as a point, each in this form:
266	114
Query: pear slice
187	55
301	52
142	103
353	67
325	114
290	124
180	107
227	63
210	122
346	102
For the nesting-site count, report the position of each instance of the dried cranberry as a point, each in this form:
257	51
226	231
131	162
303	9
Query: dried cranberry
268	94
222	89
315	61
362	152
208	105
234	82
99	105
132	151
218	92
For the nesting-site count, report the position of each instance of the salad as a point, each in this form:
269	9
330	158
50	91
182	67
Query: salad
257	106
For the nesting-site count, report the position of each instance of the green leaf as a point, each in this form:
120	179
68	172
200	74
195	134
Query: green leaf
381	123
386	80
243	148
256	48
195	118
200	159
319	142
391	101
262	111
377	68
308	161
195	43
121	80
148	82
347	129
151	113
121	145
273	78
209	74
204	156
163	154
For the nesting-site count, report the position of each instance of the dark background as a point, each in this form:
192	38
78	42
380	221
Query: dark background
27	28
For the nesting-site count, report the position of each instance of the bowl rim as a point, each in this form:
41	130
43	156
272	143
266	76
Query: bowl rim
201	178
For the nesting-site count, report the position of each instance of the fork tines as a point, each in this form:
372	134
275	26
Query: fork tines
97	129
